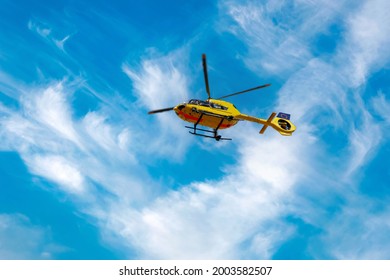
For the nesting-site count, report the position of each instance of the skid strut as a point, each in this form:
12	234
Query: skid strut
214	132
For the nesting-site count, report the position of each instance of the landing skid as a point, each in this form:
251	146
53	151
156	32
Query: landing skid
214	132
216	137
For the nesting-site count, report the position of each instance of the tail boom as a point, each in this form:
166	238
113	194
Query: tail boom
283	125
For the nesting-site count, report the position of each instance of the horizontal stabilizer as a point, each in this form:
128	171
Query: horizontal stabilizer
271	117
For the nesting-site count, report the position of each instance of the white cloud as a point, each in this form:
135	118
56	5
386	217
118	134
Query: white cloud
213	219
364	142
74	154
60	43
382	106
49	107
359	231
41	30
60	170
20	239
47	33
197	225
278	34
99	131
367	40
161	83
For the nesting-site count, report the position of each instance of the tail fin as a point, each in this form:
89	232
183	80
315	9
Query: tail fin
283	124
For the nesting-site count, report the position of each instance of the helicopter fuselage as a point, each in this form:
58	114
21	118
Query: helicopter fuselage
212	113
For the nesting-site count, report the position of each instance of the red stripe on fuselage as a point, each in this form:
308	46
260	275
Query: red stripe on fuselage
196	119
188	116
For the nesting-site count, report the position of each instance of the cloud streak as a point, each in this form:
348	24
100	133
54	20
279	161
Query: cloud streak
160	82
46	32
278	34
20	239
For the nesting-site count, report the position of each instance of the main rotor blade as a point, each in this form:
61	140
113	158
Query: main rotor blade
236	93
161	110
206	77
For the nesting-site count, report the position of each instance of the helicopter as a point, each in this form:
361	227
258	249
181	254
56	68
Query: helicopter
216	114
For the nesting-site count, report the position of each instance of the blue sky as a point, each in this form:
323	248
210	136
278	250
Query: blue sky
87	174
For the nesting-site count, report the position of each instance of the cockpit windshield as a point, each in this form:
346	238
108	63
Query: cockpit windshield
199	102
194	101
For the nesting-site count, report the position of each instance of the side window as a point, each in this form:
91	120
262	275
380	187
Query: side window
217	106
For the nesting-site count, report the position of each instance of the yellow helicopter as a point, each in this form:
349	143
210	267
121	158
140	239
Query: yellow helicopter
219	114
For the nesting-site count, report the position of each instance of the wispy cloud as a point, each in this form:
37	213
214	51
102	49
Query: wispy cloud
160	82
56	146
91	158
50	108
366	40
40	30
359	231
278	34
56	168
364	141
382	106
45	31
20	239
